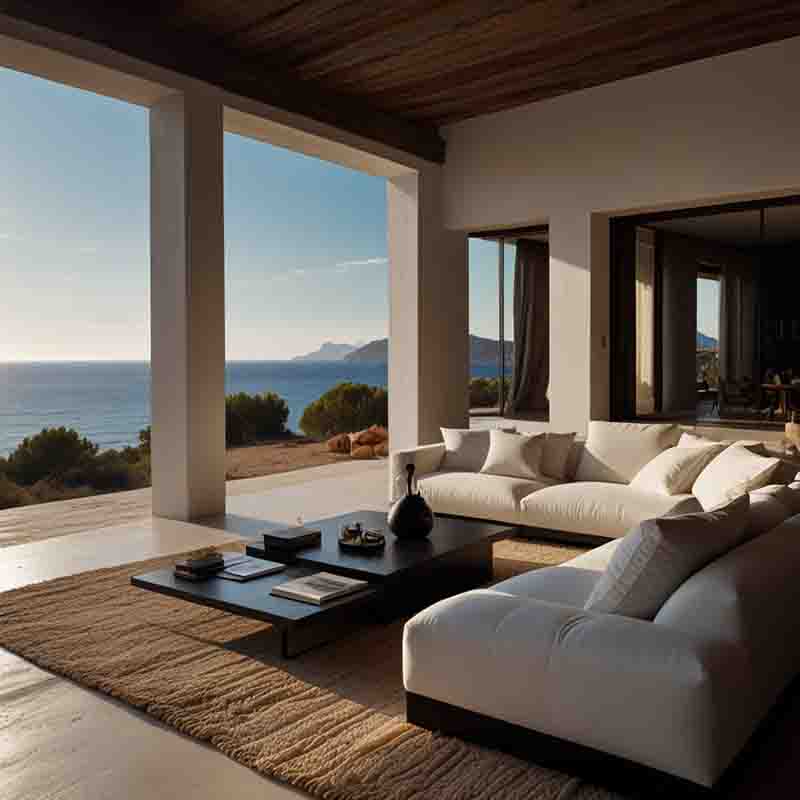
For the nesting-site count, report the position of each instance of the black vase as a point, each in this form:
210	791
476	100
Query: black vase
411	517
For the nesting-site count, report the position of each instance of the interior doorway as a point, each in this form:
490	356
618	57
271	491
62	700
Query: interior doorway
704	328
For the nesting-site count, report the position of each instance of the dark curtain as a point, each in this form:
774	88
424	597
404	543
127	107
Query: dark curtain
531	328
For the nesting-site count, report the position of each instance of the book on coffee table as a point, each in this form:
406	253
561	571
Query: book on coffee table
200	569
249	569
319	588
290	539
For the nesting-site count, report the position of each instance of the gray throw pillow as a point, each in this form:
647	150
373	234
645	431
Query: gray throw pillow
658	555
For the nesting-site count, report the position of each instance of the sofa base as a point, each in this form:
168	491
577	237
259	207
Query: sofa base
603	769
546	534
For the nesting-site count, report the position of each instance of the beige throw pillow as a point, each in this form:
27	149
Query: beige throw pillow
615	451
557	447
465	449
658	555
734	472
675	470
514	455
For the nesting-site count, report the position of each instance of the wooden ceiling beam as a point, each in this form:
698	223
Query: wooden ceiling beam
141	34
579	63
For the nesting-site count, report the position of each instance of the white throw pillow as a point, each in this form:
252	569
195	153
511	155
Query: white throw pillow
514	455
693	440
615	451
557	447
735	471
658	555
465	449
675	470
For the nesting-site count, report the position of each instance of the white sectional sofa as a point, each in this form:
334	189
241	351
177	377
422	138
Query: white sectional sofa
530	664
591	499
680	694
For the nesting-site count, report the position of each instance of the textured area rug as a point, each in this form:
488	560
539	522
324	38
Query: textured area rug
330	722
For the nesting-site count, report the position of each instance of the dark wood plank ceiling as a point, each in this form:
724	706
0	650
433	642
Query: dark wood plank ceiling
397	70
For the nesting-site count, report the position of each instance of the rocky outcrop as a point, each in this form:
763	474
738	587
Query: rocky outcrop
369	443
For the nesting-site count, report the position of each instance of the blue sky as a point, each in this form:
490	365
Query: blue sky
306	256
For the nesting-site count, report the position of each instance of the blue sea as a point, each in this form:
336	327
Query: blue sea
109	402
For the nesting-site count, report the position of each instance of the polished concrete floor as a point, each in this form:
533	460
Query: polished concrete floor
58	740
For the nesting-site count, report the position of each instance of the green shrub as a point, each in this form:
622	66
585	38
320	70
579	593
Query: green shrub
49	454
49	491
252	417
12	495
485	392
345	408
144	441
110	470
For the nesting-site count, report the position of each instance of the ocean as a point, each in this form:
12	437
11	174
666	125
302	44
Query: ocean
109	402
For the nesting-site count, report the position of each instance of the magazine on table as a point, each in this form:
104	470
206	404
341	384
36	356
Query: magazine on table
249	568
319	588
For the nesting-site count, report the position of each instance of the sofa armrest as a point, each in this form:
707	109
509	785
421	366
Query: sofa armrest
427	458
638	690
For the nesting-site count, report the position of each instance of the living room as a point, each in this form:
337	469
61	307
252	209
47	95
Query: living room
481	121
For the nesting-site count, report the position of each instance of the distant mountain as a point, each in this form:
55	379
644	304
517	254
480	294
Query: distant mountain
329	351
706	342
482	351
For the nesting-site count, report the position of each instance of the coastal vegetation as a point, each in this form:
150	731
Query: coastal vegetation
60	464
344	408
250	418
485	392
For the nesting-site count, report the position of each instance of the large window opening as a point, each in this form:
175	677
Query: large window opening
509	324
307	308
704	326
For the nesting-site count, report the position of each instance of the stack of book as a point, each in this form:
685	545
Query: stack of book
206	564
283	543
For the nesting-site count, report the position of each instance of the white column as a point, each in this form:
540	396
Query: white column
187	307
579	319
428	313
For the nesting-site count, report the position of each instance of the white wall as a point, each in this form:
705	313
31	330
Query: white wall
720	129
428	313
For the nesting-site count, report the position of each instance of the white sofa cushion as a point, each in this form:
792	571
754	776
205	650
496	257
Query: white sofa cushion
734	472
599	509
675	470
570	583
514	455
615	451
464	448
695	440
469	494
555	459
655	558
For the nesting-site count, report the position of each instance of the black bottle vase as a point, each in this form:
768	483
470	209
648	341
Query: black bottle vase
411	517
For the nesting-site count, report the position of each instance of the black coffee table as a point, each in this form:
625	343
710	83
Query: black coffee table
404	577
301	625
457	556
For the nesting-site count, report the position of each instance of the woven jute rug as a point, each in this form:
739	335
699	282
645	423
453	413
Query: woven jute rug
330	722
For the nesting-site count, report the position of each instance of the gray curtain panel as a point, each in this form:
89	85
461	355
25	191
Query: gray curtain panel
531	328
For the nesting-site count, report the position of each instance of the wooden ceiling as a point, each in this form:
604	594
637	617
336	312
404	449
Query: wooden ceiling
396	70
